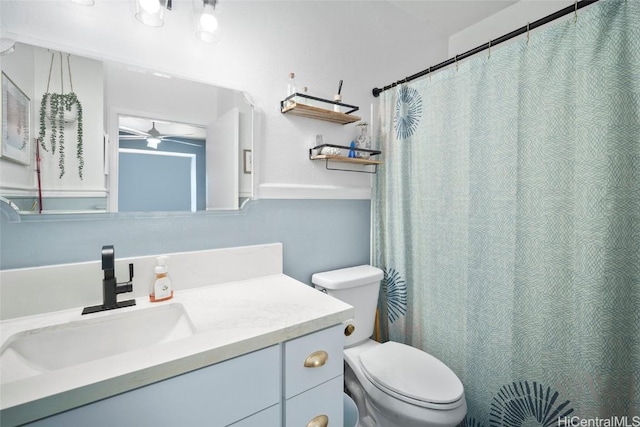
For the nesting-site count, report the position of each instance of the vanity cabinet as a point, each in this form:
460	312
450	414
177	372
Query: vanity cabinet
268	417
269	387
323	403
217	395
313	380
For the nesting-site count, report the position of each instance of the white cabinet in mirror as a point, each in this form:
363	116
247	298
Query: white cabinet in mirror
195	164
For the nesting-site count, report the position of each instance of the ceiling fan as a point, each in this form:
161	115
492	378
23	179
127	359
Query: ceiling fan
154	137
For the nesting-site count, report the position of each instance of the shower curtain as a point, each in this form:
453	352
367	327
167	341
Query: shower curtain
506	218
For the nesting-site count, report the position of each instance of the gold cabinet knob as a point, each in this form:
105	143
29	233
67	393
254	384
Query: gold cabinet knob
349	330
319	421
316	360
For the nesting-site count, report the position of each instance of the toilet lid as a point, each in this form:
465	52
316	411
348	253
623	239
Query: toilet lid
412	373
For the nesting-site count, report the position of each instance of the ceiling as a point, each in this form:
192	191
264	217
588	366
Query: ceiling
142	125
445	18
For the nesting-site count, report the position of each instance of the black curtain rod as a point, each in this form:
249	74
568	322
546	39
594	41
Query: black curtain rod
522	30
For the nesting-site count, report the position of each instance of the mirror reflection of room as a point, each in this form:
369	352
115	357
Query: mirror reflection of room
147	150
84	176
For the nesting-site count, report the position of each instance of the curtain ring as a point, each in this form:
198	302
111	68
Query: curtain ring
429	73
456	62
528	32
489	49
575	11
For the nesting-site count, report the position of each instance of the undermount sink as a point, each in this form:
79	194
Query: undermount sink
35	351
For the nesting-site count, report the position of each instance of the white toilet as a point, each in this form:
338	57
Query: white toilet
393	384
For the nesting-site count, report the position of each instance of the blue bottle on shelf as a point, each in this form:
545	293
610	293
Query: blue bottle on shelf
352	152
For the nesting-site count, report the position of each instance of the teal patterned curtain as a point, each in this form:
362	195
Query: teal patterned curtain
507	221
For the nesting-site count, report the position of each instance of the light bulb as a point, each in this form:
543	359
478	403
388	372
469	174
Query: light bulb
153	142
150	12
208	21
150	6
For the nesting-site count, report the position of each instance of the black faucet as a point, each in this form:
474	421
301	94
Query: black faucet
110	287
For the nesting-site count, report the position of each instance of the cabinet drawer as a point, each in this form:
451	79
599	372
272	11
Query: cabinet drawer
325	399
323	350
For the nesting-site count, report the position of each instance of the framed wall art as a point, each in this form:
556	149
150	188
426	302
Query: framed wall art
16	127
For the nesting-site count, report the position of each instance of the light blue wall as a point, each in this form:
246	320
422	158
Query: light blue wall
317	235
172	147
147	182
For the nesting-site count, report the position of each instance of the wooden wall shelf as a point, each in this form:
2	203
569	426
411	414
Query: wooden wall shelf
344	159
289	106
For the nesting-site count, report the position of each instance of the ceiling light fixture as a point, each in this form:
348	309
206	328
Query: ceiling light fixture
151	12
206	21
154	137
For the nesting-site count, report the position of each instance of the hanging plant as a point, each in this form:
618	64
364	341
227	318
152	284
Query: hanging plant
58	104
57	108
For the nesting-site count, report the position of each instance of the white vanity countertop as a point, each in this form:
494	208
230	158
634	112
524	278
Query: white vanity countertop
230	319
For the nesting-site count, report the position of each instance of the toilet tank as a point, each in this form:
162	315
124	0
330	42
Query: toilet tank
359	287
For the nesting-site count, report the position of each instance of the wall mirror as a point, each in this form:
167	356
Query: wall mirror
147	148
149	142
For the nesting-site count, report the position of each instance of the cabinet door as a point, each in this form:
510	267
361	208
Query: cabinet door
326	347
270	417
214	396
325	399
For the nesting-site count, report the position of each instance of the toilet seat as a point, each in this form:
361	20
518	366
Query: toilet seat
412	375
